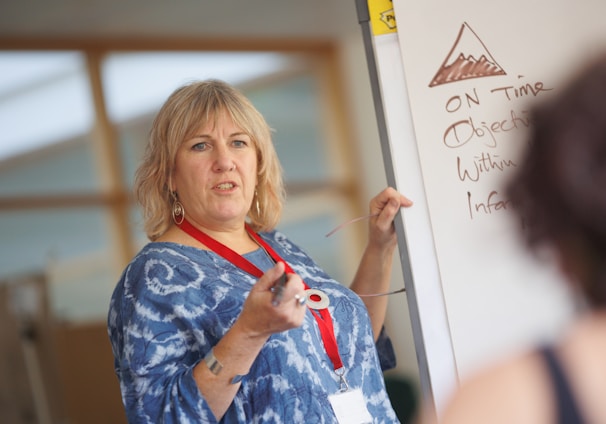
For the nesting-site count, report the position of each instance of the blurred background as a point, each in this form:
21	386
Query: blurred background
80	82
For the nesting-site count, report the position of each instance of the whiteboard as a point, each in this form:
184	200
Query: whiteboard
455	83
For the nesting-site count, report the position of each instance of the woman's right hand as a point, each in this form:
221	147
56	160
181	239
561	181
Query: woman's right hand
260	317
239	347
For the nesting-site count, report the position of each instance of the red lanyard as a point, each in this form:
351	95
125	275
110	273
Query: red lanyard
322	316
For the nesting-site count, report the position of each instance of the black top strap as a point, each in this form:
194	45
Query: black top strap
567	408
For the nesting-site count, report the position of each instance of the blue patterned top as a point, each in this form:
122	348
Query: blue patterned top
174	303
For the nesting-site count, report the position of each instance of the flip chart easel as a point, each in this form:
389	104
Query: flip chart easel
452	86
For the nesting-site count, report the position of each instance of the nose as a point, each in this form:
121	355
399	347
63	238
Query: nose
223	161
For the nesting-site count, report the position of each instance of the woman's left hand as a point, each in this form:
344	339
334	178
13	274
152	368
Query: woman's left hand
384	206
374	272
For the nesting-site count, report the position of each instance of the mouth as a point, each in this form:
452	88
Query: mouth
225	186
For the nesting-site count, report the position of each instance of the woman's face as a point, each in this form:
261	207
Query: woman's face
215	175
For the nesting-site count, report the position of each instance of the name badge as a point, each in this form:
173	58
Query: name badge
350	407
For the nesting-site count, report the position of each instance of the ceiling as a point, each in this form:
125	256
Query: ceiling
283	19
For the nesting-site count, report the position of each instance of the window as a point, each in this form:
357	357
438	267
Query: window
57	213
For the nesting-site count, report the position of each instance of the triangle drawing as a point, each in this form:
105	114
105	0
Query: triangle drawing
468	58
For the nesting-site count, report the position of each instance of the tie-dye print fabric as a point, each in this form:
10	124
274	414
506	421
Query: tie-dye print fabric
174	302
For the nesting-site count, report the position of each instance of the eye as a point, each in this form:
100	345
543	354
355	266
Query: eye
203	145
239	143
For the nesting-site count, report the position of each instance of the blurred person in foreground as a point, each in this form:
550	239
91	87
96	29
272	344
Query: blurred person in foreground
221	318
559	192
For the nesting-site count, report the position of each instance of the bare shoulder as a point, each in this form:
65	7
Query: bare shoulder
515	390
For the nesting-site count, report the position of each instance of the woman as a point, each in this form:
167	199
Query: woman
202	324
560	193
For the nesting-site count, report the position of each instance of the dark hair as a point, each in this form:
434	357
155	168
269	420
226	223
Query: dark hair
560	188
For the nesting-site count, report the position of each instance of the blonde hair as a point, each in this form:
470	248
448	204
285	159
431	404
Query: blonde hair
184	112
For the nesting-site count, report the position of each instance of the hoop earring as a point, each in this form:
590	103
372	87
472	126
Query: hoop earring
257	206
178	211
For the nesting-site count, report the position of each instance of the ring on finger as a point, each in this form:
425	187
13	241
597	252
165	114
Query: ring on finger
300	299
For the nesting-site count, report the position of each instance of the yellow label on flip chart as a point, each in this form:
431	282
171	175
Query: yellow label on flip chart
382	16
